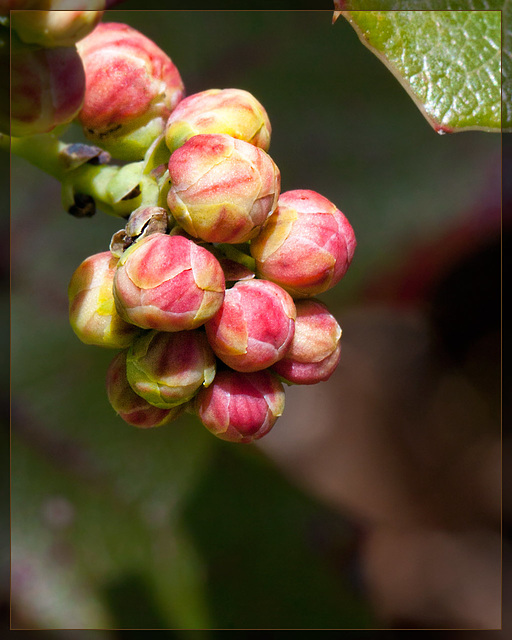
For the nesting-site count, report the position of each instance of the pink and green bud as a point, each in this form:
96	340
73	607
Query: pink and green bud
232	111
131	407
241	407
168	369
57	25
92	312
222	189
306	245
168	283
47	87
314	352
132	87
254	327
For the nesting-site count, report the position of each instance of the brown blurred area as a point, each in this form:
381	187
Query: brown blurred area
405	438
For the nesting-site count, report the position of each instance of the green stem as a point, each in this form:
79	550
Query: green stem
236	255
43	151
100	181
91	180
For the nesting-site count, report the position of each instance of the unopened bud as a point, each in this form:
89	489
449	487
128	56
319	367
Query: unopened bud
92	312
47	87
314	352
306	245
222	189
231	111
254	327
241	407
132	87
168	283
57	25
131	407
168	369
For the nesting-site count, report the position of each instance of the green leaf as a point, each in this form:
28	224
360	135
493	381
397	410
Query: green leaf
79	539
448	61
244	509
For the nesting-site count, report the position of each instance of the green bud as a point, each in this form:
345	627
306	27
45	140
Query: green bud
57	26
131	407
92	312
168	369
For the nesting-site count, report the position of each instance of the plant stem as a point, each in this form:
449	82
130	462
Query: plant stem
236	255
44	151
51	155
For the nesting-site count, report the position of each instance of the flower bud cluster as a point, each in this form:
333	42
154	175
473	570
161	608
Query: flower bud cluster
210	289
47	75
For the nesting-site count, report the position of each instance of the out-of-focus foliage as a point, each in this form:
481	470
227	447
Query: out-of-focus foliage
170	528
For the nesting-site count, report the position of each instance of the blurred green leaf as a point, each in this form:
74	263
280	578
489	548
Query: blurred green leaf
76	536
448	61
277	560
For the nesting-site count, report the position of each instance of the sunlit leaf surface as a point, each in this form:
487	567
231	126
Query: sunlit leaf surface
448	61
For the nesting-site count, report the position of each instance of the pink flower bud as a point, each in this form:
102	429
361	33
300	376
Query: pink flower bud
314	352
306	245
132	87
131	407
168	369
222	189
254	327
241	407
47	88
231	111
92	312
168	283
57	26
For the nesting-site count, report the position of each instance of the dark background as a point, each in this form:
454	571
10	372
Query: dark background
394	460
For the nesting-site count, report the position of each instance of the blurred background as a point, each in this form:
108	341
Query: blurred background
375	501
